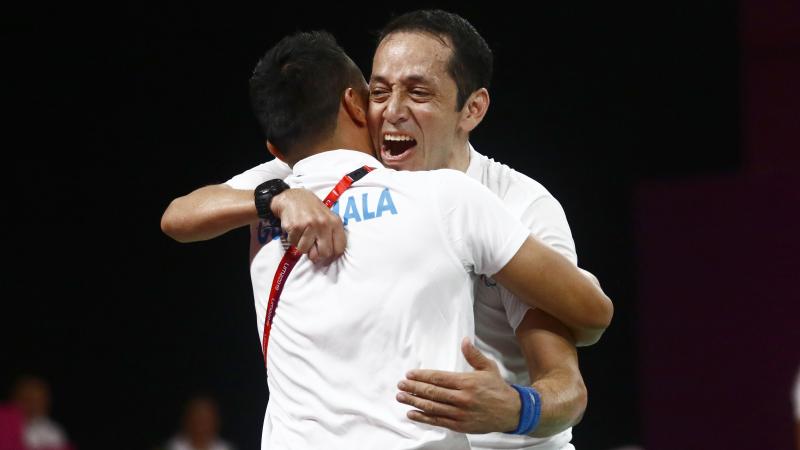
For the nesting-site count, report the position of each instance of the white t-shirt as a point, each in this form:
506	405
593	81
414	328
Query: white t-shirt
400	298
43	433
497	312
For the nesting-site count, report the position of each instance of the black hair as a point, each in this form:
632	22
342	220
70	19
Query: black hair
471	61
296	88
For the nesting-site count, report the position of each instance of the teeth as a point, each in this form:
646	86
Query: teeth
397	138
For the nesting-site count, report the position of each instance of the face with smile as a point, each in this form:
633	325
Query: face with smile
412	114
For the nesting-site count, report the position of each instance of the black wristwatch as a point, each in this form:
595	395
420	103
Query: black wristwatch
264	193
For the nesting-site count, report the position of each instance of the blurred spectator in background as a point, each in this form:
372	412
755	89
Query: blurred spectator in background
31	396
200	427
11	424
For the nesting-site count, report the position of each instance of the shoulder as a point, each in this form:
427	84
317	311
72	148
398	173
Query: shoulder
505	182
252	177
431	182
221	445
454	184
178	443
46	430
527	200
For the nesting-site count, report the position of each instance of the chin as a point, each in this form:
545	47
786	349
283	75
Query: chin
400	165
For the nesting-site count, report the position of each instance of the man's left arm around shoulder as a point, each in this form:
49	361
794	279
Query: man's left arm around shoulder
535	273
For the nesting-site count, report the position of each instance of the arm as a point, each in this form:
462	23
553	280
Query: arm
528	267
482	402
553	366
542	278
208	212
213	210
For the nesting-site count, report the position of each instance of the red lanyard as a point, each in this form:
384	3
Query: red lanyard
291	256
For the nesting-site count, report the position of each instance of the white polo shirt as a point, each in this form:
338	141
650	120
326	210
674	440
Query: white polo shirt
401	297
497	312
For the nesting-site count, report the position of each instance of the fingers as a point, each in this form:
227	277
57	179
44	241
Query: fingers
479	402
331	238
438	421
475	357
450	380
293	234
429	407
321	236
339	238
313	254
305	242
429	392
322	251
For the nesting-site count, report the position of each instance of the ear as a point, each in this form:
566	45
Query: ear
474	109
354	106
275	152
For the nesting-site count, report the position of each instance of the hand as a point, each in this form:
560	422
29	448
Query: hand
471	402
311	226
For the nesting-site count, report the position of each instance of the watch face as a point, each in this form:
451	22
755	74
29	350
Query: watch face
274	187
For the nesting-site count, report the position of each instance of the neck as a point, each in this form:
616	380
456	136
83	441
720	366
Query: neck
459	159
200	442
346	141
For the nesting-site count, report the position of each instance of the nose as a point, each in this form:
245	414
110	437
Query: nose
396	110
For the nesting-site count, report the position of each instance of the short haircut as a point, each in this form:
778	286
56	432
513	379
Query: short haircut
471	62
296	88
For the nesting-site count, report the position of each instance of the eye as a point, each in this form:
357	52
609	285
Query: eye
378	94
419	94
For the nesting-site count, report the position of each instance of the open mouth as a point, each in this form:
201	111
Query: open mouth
396	145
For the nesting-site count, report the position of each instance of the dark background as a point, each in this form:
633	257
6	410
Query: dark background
112	112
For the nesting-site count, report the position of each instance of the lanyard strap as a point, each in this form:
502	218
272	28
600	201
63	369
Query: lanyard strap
292	255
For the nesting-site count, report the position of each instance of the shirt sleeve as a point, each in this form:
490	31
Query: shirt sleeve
515	309
259	174
484	234
547	221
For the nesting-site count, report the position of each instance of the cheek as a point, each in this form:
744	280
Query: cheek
374	112
373	126
373	118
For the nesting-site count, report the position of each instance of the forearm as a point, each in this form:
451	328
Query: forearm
542	278
553	367
563	402
208	212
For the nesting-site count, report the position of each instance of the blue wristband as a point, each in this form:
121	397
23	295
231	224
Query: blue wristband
530	410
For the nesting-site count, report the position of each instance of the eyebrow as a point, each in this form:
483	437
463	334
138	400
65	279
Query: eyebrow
408	79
